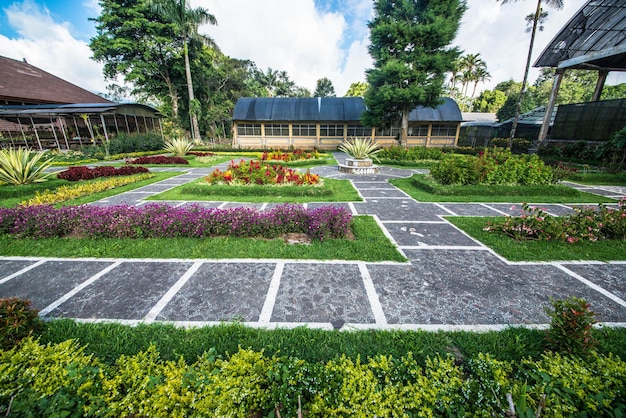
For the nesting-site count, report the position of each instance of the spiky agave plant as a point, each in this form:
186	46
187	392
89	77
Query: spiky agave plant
22	166
178	146
361	148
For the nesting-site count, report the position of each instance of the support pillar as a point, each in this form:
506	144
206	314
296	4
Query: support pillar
54	132
599	85
547	118
36	134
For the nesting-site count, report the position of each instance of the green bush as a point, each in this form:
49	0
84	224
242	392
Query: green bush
127	143
48	380
571	321
17	321
60	380
519	146
492	166
399	153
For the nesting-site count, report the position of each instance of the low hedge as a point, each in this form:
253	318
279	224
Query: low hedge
61	380
85	173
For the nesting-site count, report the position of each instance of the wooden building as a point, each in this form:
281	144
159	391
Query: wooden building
324	123
42	111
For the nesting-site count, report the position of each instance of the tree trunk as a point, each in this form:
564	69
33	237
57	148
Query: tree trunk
518	109
404	133
195	129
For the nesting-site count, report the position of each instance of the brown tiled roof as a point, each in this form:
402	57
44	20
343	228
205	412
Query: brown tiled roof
22	82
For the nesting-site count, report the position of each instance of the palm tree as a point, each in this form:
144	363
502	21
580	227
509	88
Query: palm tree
480	74
186	21
468	65
537	19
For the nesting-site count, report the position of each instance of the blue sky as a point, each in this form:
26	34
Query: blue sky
309	39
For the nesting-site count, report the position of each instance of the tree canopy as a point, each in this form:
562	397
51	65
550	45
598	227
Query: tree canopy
410	46
324	88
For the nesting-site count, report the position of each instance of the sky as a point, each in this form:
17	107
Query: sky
309	39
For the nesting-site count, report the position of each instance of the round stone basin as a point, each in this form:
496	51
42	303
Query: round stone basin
355	166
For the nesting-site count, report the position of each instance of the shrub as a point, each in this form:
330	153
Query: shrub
571	321
135	142
21	166
399	153
17	321
361	148
493	166
178	146
159	159
163	221
585	224
63	193
296	155
519	145
253	172
85	173
47	381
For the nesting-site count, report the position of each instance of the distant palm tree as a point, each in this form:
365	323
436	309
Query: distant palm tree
468	64
186	21
537	19
480	74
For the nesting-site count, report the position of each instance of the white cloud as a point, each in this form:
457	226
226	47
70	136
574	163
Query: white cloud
50	46
498	32
292	36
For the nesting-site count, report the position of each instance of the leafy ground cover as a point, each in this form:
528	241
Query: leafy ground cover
424	189
199	190
11	196
607	250
369	244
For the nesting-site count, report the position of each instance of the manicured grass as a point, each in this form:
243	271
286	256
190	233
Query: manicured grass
600	179
11	196
109	341
370	244
332	191
423	189
608	250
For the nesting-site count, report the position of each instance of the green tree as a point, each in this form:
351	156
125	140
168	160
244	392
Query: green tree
510	106
614	92
137	44
357	89
276	83
489	101
324	88
186	21
537	21
410	46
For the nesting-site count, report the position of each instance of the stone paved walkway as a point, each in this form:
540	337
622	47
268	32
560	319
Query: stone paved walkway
450	281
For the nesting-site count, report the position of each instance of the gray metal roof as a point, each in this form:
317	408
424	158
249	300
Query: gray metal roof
79	108
448	111
340	109
594	38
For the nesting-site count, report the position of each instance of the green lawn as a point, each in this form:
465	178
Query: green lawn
332	191
513	250
11	196
370	244
423	189
599	179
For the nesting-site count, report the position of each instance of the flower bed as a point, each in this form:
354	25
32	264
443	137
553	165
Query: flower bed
162	221
297	155
201	154
585	224
253	172
159	159
86	173
63	193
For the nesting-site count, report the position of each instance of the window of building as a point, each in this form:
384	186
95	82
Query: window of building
359	131
391	131
444	130
418	130
304	130
276	130
249	129
331	130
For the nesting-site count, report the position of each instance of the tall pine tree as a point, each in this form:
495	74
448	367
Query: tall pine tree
410	45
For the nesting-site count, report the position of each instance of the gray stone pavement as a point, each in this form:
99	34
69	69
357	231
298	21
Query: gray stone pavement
450	281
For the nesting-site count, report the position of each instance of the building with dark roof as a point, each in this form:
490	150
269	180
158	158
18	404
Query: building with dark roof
39	110
25	84
326	122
